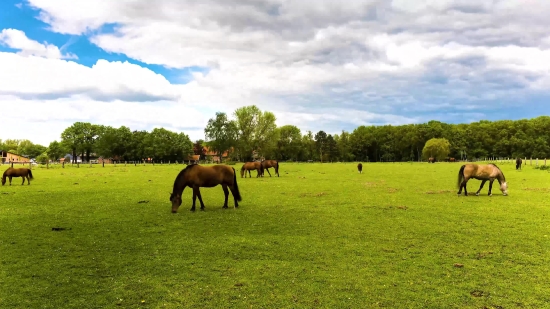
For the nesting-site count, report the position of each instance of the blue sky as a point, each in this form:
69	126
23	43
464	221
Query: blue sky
364	63
16	15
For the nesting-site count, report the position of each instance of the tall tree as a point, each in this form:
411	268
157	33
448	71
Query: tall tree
256	131
220	133
321	144
55	151
438	148
289	143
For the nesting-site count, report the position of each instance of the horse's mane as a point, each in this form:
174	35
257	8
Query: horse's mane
503	177
182	173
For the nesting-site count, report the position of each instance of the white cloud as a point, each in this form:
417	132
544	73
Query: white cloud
357	62
17	39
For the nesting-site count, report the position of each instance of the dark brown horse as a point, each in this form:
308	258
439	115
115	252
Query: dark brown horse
518	163
17	172
360	168
481	172
431	160
196	176
266	164
250	166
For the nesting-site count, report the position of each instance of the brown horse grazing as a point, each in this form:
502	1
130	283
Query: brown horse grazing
250	166
518	163
431	160
266	164
481	172
360	168
196	176
17	172
452	159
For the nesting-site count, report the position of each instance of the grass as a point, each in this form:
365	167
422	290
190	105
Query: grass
320	236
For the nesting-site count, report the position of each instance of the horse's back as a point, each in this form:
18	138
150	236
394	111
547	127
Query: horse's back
481	171
210	176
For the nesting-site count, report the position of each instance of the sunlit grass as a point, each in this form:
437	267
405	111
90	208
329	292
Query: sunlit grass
319	236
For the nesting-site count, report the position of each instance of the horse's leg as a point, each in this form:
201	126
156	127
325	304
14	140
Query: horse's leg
277	171
233	193
226	193
10	180
463	185
23	180
480	187
267	169
194	199
490	186
199	195
249	174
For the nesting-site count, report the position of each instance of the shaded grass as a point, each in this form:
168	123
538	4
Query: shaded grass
319	236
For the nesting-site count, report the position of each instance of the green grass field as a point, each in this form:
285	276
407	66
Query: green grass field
320	236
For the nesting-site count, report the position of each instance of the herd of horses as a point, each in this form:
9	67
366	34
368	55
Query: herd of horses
196	176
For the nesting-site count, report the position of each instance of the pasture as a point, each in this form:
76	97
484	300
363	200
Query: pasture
318	236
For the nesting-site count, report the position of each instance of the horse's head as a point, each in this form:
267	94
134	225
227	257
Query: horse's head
504	188
3	180
176	202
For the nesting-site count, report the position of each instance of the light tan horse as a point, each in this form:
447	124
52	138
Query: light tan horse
250	166
266	164
196	176
483	172
22	172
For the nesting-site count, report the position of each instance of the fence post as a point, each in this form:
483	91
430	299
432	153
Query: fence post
537	162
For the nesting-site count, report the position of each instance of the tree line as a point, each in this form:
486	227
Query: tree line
249	133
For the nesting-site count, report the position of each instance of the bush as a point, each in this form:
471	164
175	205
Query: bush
42	159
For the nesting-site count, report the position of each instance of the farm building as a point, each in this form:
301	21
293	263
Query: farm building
8	157
214	155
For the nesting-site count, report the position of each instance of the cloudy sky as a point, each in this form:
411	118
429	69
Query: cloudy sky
322	65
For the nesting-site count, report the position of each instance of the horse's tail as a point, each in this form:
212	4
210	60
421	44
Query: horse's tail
30	173
236	192
460	175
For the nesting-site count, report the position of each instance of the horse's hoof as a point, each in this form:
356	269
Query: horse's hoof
192	209
477	194
202	209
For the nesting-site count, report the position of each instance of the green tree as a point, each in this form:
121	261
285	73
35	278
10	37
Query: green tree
438	148
113	142
220	133
321	144
289	143
256	131
55	151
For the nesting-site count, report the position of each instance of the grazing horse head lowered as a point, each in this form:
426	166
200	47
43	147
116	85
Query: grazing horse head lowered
488	172
196	176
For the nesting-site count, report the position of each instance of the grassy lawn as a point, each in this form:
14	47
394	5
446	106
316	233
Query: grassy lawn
320	236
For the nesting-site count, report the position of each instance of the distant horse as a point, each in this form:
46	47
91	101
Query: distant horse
452	160
431	160
360	168
266	164
481	172
250	166
17	172
518	163
196	176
